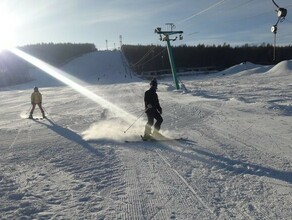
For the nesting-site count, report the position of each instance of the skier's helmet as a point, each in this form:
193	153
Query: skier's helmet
36	89
153	82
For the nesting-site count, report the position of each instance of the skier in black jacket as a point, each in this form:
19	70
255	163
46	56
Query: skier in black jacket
153	111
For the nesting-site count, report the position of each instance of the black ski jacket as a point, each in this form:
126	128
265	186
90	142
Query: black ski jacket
151	97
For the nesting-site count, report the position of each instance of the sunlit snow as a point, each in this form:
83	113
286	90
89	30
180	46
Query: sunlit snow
235	161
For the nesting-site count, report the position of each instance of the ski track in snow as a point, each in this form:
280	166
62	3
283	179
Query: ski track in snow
236	162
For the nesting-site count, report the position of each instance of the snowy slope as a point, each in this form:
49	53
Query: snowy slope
235	164
240	68
283	68
101	67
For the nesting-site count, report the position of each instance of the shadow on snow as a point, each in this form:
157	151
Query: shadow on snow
70	135
235	166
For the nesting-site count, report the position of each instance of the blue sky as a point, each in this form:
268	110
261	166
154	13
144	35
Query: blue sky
234	22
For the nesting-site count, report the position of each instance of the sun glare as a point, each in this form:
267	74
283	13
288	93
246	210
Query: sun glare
65	78
7	27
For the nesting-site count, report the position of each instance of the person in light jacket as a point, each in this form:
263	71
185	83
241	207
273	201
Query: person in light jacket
36	99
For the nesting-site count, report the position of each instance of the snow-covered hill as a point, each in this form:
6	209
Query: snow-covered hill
101	67
283	68
235	161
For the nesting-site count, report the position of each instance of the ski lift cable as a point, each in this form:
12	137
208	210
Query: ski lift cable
145	56
288	20
201	12
267	12
153	57
275	4
141	64
213	6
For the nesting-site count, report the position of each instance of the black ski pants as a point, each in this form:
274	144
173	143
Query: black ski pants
151	115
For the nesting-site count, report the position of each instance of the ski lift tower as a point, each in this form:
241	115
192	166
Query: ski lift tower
281	12
165	36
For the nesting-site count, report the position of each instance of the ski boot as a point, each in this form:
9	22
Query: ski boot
147	133
30	116
147	137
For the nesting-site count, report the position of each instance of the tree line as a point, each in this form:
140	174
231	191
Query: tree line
14	70
155	57
58	54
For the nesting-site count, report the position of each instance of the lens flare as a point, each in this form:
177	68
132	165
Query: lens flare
64	77
72	82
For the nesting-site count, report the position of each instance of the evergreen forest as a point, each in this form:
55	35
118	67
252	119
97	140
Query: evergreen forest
155	57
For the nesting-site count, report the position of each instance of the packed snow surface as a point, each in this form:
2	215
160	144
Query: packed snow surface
235	161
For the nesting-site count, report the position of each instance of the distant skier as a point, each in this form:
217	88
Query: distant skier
153	111
36	99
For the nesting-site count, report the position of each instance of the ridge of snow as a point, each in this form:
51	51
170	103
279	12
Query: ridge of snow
242	67
283	68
